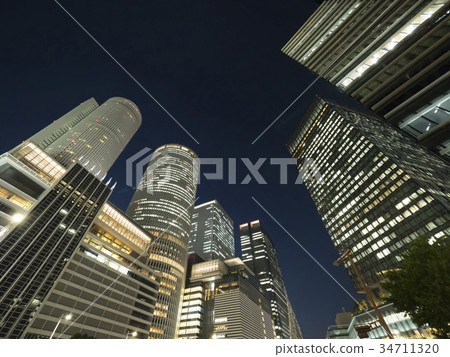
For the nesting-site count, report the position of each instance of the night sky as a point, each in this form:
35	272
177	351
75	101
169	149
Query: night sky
218	68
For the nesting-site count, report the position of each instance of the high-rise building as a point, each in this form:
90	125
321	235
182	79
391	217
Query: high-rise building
378	189
45	212
90	134
223	299
212	232
106	286
294	327
63	249
193	323
163	205
195	315
392	56
259	254
62	125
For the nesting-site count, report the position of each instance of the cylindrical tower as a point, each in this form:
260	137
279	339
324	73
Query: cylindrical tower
95	140
163	204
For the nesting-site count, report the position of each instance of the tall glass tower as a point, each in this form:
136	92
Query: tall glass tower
54	216
48	211
379	190
389	56
163	204
259	254
90	134
62	125
212	232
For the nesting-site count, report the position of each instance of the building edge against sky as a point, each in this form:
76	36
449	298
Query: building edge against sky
90	134
212	232
392	189
87	240
100	248
223	299
111	259
51	210
259	254
163	204
392	56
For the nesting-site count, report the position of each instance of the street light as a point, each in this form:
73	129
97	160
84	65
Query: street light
63	317
348	255
132	333
18	217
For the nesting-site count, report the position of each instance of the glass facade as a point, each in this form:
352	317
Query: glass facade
35	249
106	285
390	55
212	232
294	327
192	324
117	221
63	247
90	134
259	254
163	205
399	323
62	125
40	162
379	190
223	300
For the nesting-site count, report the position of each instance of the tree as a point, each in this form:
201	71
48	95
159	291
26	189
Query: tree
360	306
421	285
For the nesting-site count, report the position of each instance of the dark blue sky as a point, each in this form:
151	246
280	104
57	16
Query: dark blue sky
217	66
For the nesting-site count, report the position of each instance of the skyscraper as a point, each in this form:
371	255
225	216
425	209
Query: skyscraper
392	56
163	205
63	248
46	211
212	232
379	189
223	299
90	134
259	254
106	285
62	125
294	327
241	307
